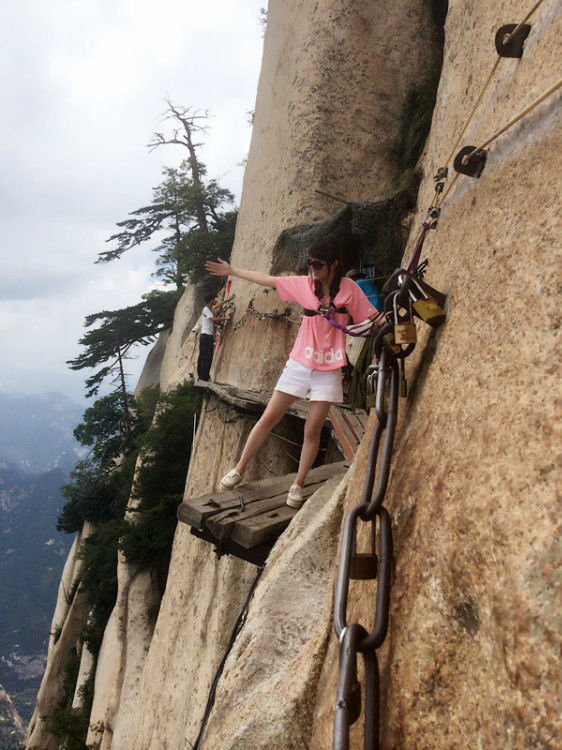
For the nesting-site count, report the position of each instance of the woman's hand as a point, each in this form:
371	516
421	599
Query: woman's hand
221	268
218	268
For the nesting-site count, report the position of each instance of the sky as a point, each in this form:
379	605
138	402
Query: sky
83	90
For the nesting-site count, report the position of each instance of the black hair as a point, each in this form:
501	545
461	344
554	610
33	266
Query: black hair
329	249
209	297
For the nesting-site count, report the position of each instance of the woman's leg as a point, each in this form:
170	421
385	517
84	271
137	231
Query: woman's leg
274	411
312	432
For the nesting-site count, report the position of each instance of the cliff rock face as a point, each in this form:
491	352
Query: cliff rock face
475	634
332	82
11	726
71	615
476	628
472	656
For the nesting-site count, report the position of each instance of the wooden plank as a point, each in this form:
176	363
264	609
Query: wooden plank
261	529
256	555
221	524
248	401
357	435
357	420
343	434
195	511
348	428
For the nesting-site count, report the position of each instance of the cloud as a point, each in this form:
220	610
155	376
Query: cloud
83	90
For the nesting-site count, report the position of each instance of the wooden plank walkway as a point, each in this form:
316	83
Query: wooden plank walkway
253	514
253	402
348	428
347	425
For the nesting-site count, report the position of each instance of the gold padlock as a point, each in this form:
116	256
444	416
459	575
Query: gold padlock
429	311
405	330
405	333
426	307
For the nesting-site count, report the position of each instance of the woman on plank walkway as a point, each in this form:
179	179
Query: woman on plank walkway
315	362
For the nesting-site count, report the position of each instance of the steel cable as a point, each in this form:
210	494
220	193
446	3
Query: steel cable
515	120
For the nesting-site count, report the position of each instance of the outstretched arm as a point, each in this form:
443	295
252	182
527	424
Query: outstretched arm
222	268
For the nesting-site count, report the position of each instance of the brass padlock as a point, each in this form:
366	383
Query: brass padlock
429	311
425	306
404	331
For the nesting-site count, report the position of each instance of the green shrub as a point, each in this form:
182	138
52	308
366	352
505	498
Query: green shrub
160	480
415	120
95	494
99	485
69	726
99	579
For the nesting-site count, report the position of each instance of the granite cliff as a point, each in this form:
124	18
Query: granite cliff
472	656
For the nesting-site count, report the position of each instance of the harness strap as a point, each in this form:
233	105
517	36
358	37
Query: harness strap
330	315
311	313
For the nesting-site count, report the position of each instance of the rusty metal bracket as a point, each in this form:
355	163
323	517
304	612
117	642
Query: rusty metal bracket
509	44
472	166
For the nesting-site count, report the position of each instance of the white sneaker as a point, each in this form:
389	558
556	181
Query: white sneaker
230	480
295	498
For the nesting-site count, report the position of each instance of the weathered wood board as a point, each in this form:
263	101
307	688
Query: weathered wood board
252	402
252	513
347	425
196	510
348	428
221	524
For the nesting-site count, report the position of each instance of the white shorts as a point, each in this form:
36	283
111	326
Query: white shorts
300	380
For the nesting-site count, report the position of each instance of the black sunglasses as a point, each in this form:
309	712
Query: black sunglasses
316	264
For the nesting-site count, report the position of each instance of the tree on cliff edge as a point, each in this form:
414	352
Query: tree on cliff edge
108	344
187	223
186	218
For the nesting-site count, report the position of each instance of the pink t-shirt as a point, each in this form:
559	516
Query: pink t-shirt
319	345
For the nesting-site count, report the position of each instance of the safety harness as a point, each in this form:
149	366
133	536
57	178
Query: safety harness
360	330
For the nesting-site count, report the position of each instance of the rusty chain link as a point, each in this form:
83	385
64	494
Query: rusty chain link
354	639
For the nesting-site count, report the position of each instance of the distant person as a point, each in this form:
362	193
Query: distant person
207	336
367	287
315	362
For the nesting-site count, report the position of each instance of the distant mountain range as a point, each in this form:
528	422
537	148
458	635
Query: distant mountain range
37	451
36	432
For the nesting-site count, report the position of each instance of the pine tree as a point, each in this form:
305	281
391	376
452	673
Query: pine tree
186	218
108	344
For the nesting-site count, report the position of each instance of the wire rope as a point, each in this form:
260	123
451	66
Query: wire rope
506	40
512	122
508	37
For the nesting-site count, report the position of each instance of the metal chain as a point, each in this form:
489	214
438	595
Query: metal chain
262	316
353	637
